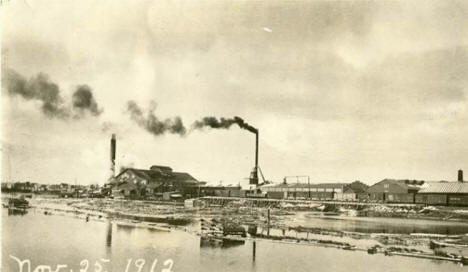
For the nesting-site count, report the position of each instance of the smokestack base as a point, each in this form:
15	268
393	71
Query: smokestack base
253	179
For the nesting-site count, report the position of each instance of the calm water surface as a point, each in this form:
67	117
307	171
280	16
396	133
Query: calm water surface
55	239
378	224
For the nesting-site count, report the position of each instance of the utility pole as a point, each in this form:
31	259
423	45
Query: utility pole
268	223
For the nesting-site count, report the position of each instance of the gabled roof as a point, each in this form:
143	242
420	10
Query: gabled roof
160	176
142	173
404	183
357	187
161	167
445	187
183	176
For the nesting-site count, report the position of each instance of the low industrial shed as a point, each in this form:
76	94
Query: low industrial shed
432	199
356	191
321	195
399	198
458	200
351	196
317	191
220	191
444	193
347	196
392	197
310	195
395	190
276	195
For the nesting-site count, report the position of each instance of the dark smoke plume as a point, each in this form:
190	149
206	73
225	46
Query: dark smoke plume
240	122
152	124
222	123
83	100
40	88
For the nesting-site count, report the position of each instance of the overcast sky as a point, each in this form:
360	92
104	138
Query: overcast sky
339	90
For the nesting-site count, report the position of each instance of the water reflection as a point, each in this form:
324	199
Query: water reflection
254	248
214	242
380	225
14	212
125	228
109	234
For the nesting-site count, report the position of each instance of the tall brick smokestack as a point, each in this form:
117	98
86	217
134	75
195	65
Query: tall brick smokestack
460	175
112	155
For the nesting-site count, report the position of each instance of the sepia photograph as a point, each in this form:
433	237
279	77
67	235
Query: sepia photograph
234	135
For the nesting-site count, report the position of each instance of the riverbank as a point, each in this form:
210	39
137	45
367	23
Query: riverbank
417	234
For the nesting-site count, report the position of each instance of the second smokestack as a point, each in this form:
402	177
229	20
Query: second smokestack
113	147
253	180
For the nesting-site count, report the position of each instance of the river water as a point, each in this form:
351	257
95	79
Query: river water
55	239
378	224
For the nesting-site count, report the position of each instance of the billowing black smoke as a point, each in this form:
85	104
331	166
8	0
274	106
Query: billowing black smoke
37	88
240	122
40	88
153	124
83	100
222	123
